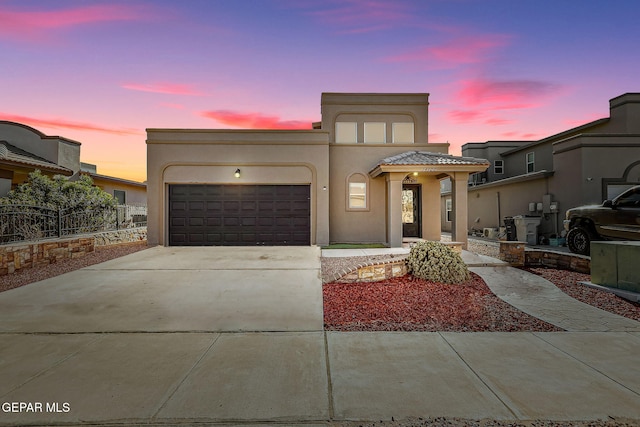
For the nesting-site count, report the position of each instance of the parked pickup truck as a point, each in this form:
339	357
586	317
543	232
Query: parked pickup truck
617	219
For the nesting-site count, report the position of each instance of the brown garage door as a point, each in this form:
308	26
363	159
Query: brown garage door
239	215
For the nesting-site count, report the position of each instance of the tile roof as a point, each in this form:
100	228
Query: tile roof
17	155
426	158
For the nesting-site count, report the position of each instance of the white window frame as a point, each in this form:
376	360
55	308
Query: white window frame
393	133
447	208
367	137
351	126
500	166
531	162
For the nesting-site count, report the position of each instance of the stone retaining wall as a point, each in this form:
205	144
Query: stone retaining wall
375	272
512	252
121	236
559	260
18	256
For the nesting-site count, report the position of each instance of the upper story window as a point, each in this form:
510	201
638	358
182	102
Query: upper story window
402	133
531	164
375	132
347	132
498	167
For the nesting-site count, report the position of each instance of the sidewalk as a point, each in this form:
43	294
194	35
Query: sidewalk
207	376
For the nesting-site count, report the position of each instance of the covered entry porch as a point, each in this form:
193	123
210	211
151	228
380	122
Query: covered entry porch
413	193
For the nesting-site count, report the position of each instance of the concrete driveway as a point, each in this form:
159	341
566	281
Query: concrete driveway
229	336
161	289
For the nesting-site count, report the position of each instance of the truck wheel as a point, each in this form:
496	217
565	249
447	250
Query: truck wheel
579	240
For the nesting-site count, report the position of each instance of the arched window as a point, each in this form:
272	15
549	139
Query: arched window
357	192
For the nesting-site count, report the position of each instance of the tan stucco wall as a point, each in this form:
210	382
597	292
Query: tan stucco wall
583	162
367	226
212	156
389	108
514	199
52	148
135	194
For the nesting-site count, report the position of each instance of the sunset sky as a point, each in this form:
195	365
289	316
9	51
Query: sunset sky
101	72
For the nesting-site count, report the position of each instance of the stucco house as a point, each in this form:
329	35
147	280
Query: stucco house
544	178
365	174
24	149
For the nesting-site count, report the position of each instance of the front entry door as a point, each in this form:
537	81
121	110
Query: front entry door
411	210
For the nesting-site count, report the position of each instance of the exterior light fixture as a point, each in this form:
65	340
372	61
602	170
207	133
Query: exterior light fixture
415	174
237	173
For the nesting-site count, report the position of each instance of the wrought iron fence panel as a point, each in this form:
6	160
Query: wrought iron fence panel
25	222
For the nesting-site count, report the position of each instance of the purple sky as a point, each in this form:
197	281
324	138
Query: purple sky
100	72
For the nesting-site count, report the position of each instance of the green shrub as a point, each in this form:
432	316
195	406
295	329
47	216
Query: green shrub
437	262
59	193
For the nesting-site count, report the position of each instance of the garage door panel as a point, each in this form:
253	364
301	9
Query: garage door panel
215	239
249	207
196	222
239	214
265	221
214	222
248	221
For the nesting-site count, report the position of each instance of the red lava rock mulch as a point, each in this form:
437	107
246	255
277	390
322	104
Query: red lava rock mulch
568	282
410	304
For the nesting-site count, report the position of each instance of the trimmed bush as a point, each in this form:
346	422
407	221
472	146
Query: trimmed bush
437	262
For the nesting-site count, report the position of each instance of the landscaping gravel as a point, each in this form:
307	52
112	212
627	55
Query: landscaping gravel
412	304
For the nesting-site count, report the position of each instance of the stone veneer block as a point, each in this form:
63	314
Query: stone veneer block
512	252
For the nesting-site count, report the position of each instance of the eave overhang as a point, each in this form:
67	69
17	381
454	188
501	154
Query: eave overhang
428	163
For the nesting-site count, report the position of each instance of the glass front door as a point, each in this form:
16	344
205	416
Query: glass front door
411	210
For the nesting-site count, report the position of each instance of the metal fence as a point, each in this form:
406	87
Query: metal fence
26	222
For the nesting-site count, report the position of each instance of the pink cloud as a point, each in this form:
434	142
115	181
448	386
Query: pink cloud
56	123
171	105
579	122
362	16
33	25
460	51
494	121
254	120
518	135
434	137
168	88
530	135
505	94
464	116
509	134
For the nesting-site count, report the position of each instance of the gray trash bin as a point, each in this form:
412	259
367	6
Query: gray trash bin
527	228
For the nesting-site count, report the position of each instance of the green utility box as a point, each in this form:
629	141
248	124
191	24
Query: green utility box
616	265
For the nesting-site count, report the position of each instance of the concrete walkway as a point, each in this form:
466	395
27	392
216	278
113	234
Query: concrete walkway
161	337
540	298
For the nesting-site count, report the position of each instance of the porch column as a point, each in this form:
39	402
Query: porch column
430	199
459	206
394	209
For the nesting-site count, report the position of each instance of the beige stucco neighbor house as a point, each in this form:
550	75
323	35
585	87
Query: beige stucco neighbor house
542	179
24	149
365	174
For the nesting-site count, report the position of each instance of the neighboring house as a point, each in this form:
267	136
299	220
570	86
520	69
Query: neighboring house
583	165
24	149
365	174
125	191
